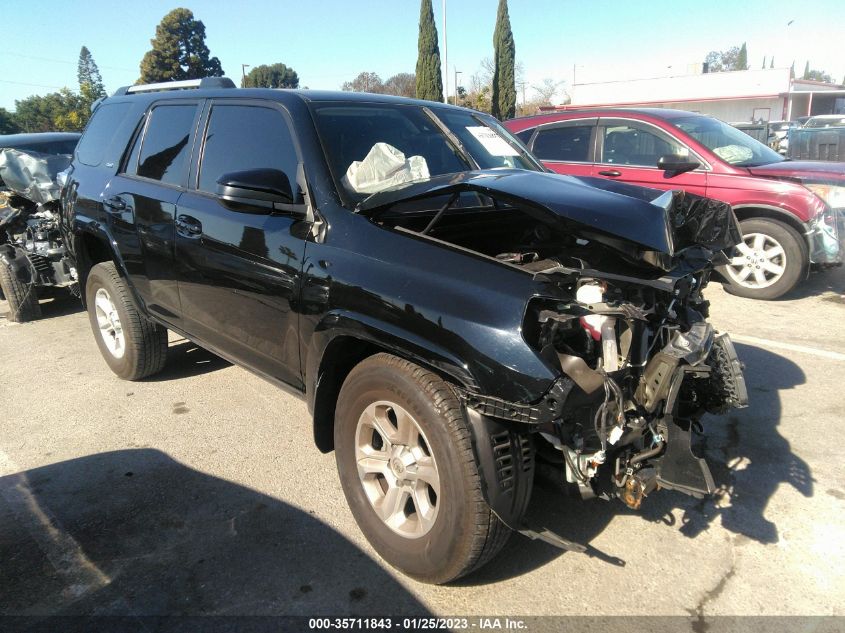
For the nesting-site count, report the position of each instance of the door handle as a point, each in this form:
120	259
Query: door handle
187	226
613	173
115	204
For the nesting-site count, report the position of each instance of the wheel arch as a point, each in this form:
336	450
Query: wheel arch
750	211
343	347
91	248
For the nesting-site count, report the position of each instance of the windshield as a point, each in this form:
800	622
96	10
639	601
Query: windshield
731	145
371	147
825	122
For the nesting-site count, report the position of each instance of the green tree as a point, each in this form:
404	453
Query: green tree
365	82
504	58
88	74
179	51
722	61
764	63
62	111
772	62
429	79
742	58
806	70
819	75
8	122
272	76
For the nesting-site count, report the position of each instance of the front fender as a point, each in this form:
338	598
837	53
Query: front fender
386	336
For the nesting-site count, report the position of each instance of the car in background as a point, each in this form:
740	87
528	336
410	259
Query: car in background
53	143
33	257
779	135
790	212
825	120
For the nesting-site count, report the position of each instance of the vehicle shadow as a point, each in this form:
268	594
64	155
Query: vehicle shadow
747	455
185	359
134	532
52	306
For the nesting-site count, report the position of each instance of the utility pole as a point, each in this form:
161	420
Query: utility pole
521	84
457	72
445	58
243	70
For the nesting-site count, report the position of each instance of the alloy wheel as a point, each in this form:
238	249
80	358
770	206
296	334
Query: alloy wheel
396	469
109	323
757	262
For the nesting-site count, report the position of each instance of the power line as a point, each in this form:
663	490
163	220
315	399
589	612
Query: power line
23	83
64	61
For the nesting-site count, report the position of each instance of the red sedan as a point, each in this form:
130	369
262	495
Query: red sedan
790	212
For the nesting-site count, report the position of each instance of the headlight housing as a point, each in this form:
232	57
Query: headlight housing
833	195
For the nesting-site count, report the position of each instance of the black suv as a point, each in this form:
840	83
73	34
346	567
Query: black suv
452	313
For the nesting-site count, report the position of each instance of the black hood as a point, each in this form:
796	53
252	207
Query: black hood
622	216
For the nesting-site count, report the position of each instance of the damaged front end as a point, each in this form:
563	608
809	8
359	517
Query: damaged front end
617	311
31	243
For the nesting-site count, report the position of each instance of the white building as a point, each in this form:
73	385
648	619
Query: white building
749	95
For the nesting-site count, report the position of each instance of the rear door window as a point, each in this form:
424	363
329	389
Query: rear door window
567	142
166	145
100	132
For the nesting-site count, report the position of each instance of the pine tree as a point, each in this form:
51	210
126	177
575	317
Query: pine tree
429	80
772	63
504	59
89	75
764	62
179	51
807	70
742	58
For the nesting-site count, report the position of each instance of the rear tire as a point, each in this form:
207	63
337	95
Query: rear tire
770	261
132	345
406	421
22	298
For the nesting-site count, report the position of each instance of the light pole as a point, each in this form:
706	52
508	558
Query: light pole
445	56
243	71
457	72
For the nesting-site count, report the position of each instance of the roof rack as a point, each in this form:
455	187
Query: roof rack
205	82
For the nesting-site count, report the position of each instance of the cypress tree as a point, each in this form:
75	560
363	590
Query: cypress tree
742	58
429	81
772	63
504	60
764	62
807	70
179	51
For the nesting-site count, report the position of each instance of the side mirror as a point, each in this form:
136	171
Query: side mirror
265	188
677	163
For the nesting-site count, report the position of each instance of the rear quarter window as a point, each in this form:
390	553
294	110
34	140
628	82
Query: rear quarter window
100	132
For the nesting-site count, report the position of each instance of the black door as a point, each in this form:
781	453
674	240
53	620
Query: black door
141	204
239	269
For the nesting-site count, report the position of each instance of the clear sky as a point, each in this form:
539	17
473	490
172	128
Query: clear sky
330	41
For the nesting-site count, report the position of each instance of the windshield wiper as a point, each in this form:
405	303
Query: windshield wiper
454	140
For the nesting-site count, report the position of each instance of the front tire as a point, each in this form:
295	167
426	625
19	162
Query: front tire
768	263
408	472
132	345
22	298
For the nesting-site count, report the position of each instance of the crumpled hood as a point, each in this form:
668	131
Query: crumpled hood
617	215
802	170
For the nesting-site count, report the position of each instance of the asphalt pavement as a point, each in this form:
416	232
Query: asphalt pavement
199	491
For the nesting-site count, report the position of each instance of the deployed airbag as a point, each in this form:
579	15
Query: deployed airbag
383	167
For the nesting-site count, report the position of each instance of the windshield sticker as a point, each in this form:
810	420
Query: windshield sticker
492	142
